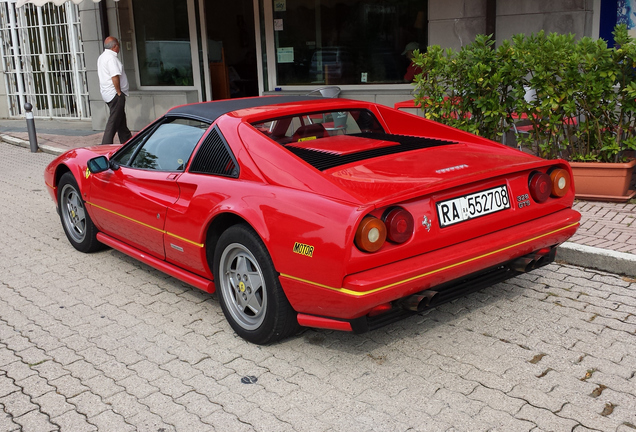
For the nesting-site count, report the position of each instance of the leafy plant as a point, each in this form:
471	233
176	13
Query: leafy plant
578	97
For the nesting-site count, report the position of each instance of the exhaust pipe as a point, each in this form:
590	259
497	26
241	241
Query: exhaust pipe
523	264
533	261
418	302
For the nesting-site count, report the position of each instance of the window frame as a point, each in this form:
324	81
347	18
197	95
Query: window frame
270	70
141	139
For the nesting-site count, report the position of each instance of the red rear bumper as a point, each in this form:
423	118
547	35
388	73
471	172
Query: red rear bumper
362	291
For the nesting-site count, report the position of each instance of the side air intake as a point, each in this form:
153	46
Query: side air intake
214	157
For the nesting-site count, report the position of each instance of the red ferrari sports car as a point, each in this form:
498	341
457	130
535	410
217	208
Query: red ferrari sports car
327	213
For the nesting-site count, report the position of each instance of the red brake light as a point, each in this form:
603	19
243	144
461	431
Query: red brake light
399	225
540	186
560	182
371	234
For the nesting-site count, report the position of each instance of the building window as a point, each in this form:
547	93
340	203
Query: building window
163	42
346	42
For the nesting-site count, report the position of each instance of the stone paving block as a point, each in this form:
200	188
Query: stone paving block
171	386
234	403
35	421
88	404
491	380
115	370
594	363
215	369
6	422
103	385
17	370
147	370
64	355
53	404
161	404
206	386
545	419
589	418
68	385
496	399
82	370
34	386
299	421
500	420
156	354
126	355
183	420
263	421
198	404
462	421
17	404
276	384
110	421
188	354
145	421
224	421
125	404
95	355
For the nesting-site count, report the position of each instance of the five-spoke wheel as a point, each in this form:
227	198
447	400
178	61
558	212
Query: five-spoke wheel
77	223
248	287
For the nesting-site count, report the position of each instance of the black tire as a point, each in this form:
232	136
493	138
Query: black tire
249	291
77	223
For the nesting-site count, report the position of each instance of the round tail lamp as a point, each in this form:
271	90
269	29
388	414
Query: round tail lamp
399	225
540	186
371	234
560	182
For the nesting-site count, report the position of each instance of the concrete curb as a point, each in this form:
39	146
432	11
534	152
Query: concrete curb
597	258
22	143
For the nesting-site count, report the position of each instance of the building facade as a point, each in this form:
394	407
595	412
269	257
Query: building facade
183	51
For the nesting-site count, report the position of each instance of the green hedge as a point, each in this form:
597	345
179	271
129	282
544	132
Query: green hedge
585	102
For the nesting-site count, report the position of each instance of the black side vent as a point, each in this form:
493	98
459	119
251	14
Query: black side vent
214	157
324	161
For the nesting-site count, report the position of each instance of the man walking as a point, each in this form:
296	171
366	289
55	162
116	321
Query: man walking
113	85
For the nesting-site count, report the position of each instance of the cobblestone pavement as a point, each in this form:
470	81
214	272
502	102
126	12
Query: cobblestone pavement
102	342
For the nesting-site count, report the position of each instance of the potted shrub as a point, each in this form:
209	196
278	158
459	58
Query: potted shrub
578	99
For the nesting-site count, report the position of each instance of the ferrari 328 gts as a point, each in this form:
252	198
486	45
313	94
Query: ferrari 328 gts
326	213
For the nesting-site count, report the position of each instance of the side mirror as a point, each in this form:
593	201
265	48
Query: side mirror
98	164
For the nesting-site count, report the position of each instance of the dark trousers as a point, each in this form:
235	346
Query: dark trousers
116	121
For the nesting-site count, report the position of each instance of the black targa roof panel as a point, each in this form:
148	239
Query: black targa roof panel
210	111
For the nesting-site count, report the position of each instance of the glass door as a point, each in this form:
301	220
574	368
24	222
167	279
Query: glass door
166	42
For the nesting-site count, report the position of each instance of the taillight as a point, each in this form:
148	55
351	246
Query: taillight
560	182
540	186
399	225
371	234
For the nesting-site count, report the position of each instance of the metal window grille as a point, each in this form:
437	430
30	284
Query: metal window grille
43	60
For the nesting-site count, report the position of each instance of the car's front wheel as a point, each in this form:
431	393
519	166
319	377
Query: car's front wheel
77	223
249	290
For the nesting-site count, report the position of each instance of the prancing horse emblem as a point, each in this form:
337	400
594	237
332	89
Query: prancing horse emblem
426	223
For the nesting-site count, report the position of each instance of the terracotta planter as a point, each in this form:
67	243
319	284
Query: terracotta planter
598	181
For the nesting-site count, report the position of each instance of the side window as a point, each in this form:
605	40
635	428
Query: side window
167	148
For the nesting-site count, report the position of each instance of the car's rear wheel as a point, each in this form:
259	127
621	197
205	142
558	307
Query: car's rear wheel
77	223
249	291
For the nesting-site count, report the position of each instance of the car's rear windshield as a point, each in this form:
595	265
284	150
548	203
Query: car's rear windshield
327	140
317	125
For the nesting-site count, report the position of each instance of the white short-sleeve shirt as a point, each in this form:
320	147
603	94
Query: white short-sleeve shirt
108	66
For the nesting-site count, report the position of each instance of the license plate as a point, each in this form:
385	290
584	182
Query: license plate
471	206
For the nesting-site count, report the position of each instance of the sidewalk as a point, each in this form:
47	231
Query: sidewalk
605	241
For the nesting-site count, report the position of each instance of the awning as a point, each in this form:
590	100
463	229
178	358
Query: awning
43	2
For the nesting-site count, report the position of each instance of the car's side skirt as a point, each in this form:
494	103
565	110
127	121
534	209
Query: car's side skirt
172	270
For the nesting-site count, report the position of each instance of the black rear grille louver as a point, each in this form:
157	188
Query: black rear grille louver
214	157
324	161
